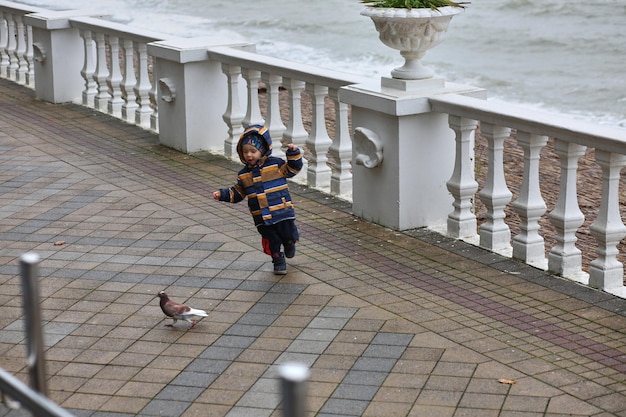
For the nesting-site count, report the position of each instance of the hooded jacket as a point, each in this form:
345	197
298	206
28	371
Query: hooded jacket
265	184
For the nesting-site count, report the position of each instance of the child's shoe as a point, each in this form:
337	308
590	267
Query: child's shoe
280	266
290	250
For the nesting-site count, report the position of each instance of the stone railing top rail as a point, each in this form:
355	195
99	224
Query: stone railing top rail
22	9
284	68
117	29
608	138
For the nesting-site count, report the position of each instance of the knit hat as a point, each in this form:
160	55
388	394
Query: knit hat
255	141
257	136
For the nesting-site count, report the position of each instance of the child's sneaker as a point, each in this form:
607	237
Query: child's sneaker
290	250
280	266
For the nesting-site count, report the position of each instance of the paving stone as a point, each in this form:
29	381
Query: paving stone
389	323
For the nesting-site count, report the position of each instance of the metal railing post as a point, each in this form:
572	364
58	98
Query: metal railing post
293	377
32	312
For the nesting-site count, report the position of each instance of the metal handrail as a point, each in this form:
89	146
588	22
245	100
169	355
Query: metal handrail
33	399
36	403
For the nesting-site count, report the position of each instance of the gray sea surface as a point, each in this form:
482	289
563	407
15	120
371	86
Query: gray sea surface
556	55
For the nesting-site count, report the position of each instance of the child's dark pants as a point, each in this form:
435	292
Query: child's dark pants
274	236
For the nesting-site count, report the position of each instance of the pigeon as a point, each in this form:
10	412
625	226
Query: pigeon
179	311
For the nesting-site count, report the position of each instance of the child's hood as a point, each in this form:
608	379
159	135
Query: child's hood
262	133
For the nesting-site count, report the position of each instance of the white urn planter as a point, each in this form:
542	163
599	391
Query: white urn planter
412	32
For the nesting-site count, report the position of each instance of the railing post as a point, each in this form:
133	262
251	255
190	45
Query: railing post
114	80
32	312
4	44
341	149
318	142
293	377
495	234
58	55
101	74
192	92
564	257
529	245
295	132
462	185
606	271
274	121
234	114
407	188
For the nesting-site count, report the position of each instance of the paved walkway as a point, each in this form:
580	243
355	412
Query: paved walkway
391	324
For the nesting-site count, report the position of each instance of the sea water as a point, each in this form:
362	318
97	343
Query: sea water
560	56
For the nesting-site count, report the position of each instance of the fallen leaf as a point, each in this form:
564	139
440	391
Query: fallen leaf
506	381
59	243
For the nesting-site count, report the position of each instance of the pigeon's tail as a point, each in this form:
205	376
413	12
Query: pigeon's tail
196	312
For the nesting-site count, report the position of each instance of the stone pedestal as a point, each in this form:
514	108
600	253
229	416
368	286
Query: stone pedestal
192	94
58	55
406	188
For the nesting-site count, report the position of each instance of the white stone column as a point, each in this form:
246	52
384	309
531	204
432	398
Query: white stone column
192	93
407	187
58	55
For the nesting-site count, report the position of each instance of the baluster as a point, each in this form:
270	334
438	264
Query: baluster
115	77
233	116
462	185
318	142
20	51
606	272
154	102
29	57
101	100
495	234
142	88
295	132
128	83
565	258
11	48
4	43
341	149
529	245
89	93
273	120
253	112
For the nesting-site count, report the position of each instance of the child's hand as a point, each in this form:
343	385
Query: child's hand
216	195
292	146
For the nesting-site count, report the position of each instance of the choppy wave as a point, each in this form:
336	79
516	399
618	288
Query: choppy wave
562	56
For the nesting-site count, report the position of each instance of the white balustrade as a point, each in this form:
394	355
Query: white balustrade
296	78
16	43
120	78
570	138
116	70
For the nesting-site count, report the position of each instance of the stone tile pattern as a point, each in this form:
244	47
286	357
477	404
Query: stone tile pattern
391	324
